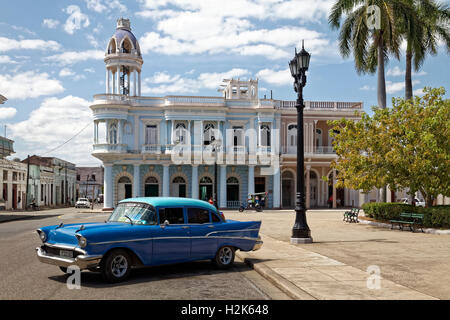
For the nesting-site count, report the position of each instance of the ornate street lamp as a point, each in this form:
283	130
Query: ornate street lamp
298	66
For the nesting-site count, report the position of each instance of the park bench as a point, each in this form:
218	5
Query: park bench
411	220
352	215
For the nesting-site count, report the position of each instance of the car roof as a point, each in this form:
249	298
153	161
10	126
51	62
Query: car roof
171	201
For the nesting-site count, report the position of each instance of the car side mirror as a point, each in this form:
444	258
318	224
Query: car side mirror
165	224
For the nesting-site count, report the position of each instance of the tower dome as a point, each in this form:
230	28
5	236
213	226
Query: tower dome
123	61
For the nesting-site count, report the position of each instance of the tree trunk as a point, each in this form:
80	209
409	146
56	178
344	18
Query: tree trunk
408	79
381	85
381	94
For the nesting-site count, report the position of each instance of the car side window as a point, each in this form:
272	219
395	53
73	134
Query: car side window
173	215
198	215
215	218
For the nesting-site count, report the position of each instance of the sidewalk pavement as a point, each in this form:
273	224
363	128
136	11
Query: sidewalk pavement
305	275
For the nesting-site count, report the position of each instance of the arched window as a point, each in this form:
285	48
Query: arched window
124	180
232	189
151	187
150	180
126	46
206	180
265	135
112	46
180	133
178	180
292	136
208	134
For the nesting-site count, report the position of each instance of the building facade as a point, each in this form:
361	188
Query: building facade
89	182
185	145
51	181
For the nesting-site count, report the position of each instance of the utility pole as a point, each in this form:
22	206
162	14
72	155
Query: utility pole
28	177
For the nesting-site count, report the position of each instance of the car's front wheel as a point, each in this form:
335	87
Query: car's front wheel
224	257
116	266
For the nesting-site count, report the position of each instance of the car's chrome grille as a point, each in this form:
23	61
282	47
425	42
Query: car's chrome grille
57	251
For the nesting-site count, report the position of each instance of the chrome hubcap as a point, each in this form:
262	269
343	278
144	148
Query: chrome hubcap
225	255
119	266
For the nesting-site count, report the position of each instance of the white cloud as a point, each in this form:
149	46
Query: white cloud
393	87
278	78
213	27
163	83
93	41
76	19
396	72
71	57
7	44
29	84
6	59
66	72
107	5
68	116
8	112
418	92
50	23
366	88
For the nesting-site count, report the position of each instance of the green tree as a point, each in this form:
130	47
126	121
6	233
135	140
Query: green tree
407	146
371	49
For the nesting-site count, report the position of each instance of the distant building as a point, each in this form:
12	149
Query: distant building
2	99
13	178
89	182
52	181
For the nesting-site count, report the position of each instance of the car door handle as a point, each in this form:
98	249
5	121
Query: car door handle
210	226
185	227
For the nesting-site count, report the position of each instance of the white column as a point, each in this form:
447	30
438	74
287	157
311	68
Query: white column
308	187
118	79
251	179
276	189
223	187
362	198
166	184
139	83
114	82
107	81
134	83
108	187
334	189
194	182
136	181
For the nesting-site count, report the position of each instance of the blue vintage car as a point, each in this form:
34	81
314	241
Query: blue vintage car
148	232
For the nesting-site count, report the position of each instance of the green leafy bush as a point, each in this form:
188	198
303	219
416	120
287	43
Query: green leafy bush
434	217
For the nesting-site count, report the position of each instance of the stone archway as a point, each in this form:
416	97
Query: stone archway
123	186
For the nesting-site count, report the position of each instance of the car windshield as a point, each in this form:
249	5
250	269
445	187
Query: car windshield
82	199
135	213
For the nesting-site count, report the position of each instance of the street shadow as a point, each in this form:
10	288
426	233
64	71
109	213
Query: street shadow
10	218
149	274
360	241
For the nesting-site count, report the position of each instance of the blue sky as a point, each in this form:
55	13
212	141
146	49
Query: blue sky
51	60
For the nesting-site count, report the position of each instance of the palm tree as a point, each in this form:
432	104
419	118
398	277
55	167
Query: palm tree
427	22
371	49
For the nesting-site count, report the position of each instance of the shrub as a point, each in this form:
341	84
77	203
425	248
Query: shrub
434	217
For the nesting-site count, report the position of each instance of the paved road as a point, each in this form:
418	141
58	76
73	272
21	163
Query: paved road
22	276
417	260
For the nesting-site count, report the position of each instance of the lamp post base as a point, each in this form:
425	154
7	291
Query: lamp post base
301	240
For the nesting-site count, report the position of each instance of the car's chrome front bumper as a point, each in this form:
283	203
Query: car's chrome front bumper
82	261
258	244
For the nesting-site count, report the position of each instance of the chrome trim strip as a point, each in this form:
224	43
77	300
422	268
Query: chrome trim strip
64	247
243	230
167	238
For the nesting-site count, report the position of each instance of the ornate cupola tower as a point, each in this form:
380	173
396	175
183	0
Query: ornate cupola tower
123	62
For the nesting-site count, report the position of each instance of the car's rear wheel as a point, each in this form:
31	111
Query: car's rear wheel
116	266
224	257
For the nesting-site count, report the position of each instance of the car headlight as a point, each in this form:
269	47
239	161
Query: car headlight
82	241
42	235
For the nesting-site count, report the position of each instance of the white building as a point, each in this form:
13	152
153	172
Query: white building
136	137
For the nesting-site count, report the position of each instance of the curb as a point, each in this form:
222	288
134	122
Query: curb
386	225
281	283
